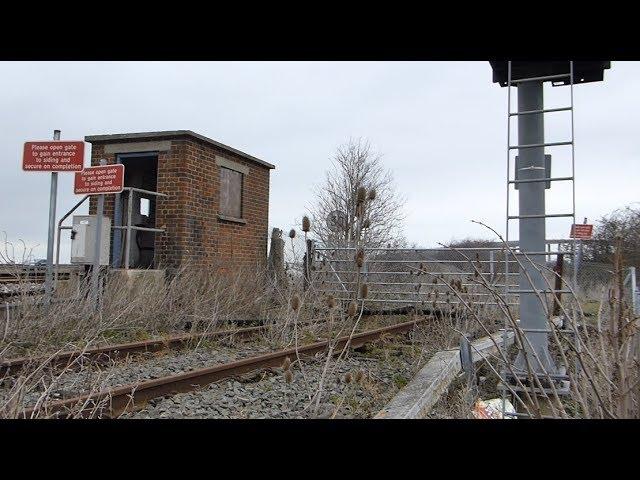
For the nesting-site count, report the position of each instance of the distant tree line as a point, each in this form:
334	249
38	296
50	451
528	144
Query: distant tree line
622	222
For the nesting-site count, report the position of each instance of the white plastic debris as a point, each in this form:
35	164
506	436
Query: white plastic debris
492	409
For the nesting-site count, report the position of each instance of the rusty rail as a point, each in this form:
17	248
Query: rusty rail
110	352
129	397
18	273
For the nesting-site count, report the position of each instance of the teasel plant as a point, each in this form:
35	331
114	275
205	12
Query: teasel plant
356	301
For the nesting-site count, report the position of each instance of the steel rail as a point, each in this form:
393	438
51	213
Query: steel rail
135	395
97	354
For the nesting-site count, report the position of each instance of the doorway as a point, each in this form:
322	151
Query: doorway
140	172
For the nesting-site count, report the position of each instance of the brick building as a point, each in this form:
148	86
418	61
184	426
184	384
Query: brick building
215	209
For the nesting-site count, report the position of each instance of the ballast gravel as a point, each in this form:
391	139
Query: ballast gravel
269	394
145	366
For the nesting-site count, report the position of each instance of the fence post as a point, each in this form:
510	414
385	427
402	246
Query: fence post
634	291
276	256
558	269
577	259
307	262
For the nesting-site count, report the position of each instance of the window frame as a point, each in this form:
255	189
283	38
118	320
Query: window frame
243	170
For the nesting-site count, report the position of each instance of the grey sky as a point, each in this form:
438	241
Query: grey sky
441	127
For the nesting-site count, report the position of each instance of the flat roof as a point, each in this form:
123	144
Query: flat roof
171	134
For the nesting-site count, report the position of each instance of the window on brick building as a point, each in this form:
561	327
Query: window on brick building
230	193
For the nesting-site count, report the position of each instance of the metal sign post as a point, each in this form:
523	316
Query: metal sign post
579	233
53	197
101	180
52	156
95	271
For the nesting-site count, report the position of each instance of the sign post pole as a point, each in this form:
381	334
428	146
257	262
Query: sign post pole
53	157
101	180
95	271
579	233
580	250
576	261
48	279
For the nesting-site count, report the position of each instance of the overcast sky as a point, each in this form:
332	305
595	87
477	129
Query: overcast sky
441	127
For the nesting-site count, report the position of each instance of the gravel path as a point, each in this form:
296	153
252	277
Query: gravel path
267	394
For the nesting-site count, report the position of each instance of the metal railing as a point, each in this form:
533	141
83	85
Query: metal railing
415	276
128	227
59	231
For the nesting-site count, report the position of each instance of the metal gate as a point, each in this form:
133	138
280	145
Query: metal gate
422	277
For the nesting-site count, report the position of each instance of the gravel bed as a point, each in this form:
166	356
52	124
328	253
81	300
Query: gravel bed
267	394
145	366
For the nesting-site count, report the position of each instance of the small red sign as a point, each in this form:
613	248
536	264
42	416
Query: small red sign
53	156
581	231
99	180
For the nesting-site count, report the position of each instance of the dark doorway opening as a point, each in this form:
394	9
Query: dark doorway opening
140	172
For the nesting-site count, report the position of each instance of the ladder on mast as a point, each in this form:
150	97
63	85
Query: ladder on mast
549	180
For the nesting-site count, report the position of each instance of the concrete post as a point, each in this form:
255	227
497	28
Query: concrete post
492	268
531	164
276	256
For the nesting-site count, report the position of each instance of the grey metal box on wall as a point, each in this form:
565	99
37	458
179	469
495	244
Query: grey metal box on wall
83	238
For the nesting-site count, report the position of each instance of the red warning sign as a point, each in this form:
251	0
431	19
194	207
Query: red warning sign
53	156
99	180
581	231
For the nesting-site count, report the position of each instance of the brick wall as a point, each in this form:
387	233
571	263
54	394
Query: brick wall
188	174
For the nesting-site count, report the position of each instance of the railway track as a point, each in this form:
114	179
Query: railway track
12	294
113	402
17	273
111	352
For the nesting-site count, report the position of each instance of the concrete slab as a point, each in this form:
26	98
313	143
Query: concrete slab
417	398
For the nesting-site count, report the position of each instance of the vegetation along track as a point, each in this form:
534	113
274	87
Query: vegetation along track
129	397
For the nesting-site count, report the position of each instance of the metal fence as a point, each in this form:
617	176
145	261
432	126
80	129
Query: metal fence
590	279
415	276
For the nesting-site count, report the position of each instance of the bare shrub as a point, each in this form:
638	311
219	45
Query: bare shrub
357	168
